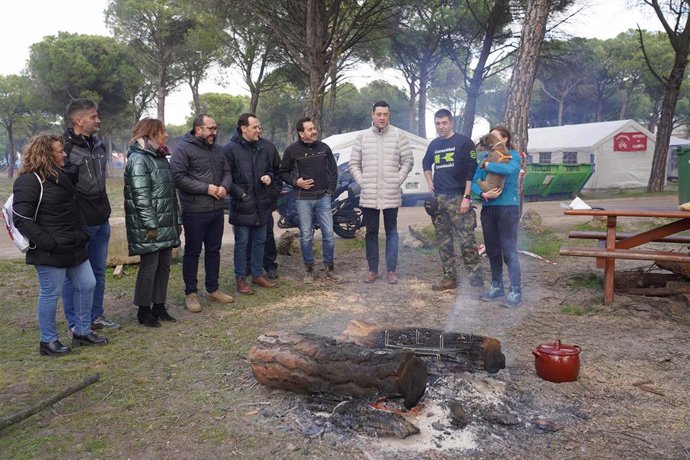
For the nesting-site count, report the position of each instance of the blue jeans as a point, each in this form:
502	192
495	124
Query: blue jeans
499	226
306	210
371	239
202	228
258	237
51	281
97	249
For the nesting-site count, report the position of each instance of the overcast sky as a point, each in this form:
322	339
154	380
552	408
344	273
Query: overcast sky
28	21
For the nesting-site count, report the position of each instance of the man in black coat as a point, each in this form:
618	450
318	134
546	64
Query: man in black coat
251	206
203	180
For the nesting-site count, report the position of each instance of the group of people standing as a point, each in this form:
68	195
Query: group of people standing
62	185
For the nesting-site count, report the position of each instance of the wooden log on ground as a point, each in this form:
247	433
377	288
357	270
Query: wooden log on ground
638	279
671	288
468	351
679	268
19	416
308	363
360	416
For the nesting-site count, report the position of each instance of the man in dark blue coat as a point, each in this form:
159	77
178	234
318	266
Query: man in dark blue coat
250	164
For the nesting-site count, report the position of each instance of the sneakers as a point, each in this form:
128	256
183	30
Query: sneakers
309	275
191	303
330	274
513	299
102	323
444	284
218	296
495	291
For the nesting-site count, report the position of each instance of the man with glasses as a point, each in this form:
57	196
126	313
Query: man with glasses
203	180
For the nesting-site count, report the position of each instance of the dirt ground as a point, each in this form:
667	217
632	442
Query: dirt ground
630	401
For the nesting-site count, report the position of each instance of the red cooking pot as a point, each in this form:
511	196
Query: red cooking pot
557	362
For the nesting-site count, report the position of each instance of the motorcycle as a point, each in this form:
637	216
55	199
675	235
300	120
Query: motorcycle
347	216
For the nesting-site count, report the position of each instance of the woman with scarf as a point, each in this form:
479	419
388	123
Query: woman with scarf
152	217
47	212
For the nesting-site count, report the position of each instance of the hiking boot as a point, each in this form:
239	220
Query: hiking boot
444	284
272	273
392	278
102	323
495	291
220	297
476	280
514	298
263	282
330	274
309	275
243	287
191	303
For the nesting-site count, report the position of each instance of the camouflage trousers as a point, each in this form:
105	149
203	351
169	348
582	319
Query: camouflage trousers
450	225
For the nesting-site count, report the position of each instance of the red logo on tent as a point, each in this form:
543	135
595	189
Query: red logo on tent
629	142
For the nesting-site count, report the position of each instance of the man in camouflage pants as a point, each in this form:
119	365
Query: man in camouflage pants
454	161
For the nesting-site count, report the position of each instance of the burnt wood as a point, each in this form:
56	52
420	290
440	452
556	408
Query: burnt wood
468	352
307	363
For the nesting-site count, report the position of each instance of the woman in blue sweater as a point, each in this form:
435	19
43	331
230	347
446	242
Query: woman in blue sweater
499	217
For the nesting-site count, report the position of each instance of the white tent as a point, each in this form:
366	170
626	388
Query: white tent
414	187
621	151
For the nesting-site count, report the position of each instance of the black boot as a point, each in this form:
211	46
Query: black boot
145	317
159	311
54	348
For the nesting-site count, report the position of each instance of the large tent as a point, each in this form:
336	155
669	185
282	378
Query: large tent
414	188
621	151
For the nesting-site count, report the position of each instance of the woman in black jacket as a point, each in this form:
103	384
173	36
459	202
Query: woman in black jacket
152	216
46	211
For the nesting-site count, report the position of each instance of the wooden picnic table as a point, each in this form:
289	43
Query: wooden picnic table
624	245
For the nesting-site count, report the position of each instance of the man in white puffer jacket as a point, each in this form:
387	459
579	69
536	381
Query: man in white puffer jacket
381	160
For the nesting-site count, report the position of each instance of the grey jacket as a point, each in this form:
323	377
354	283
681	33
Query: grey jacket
195	165
380	162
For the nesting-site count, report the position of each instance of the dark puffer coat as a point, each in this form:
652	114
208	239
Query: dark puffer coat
252	201
150	202
59	233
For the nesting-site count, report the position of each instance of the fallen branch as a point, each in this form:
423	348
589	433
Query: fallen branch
19	416
643	386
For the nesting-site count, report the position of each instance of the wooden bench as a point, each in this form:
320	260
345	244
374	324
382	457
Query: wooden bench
601	236
633	254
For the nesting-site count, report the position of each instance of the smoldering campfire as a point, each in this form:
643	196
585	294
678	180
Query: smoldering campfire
374	379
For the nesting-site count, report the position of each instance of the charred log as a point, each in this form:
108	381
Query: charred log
360	416
307	363
467	352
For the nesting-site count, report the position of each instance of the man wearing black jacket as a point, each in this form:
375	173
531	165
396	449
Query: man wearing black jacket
251	207
203	180
86	164
309	166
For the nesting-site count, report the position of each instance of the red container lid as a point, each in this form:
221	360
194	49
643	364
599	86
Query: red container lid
558	349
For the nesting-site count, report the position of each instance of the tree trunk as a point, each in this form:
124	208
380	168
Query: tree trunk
328	129
316	37
421	111
195	97
13	151
411	106
525	71
307	363
254	101
160	94
498	9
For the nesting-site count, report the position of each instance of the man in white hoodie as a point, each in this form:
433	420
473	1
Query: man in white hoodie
381	160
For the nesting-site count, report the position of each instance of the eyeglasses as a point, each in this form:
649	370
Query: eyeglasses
211	128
